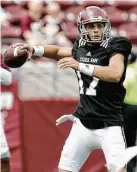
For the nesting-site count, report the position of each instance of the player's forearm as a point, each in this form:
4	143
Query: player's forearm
6	76
106	74
52	51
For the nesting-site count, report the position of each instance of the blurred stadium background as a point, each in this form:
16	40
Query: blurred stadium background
42	92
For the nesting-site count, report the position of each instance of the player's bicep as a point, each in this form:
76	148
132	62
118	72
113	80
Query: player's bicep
57	52
116	62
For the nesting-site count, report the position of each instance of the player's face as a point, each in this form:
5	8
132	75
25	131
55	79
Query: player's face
95	31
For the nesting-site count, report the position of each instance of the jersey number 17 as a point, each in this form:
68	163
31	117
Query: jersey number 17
92	86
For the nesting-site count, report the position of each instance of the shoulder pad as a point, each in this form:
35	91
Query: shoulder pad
119	40
119	45
78	43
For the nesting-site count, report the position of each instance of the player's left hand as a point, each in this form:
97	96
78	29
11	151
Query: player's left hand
68	62
64	118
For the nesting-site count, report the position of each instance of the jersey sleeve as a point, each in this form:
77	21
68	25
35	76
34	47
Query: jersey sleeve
119	45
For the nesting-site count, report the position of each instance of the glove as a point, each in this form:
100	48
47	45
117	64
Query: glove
64	118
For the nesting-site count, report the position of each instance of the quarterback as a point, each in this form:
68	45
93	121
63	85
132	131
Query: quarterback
100	63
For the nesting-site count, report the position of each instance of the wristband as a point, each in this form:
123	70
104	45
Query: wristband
38	50
86	69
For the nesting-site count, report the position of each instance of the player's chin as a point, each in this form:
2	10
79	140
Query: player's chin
97	38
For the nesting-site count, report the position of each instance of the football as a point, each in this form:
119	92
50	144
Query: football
15	57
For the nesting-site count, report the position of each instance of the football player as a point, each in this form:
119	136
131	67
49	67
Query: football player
6	79
100	63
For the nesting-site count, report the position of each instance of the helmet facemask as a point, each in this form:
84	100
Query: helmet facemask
95	15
